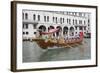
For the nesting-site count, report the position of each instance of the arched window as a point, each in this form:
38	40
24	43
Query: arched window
23	15
38	17
45	18
84	22
80	21
76	21
84	28
65	30
75	13
48	18
34	17
61	20
26	16
56	19
26	26
80	28
88	21
76	27
69	21
73	21
53	19
58	33
80	14
42	28
50	27
71	31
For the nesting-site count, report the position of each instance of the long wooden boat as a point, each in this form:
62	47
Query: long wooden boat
59	42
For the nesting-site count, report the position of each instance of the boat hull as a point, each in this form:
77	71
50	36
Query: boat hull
45	44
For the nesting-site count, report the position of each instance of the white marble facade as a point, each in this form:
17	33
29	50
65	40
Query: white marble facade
70	23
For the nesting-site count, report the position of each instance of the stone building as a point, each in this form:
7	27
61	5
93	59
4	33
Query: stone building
69	23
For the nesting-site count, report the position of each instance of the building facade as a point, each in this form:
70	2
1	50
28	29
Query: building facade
69	23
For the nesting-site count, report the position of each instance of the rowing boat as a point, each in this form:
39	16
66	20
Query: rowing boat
59	42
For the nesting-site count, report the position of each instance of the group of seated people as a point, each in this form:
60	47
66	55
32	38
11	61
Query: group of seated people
64	38
69	38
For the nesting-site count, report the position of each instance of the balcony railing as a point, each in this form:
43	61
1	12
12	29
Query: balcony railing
80	25
30	21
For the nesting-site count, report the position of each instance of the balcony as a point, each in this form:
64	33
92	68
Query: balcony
78	25
30	21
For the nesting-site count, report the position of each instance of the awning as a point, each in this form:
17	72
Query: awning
50	31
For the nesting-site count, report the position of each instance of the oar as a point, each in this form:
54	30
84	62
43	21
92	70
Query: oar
77	44
84	42
69	46
65	46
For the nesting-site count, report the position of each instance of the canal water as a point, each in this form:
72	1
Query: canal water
33	53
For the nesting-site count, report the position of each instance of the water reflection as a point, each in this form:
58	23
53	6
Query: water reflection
33	53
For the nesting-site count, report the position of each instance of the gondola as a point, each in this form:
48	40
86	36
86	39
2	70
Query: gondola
61	42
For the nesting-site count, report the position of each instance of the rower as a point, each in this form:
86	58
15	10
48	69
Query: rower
66	38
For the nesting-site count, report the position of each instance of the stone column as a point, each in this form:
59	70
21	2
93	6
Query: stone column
55	35
68	33
78	30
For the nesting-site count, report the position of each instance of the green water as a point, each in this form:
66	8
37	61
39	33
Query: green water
33	53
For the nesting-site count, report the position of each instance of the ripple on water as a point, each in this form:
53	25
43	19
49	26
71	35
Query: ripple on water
33	53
